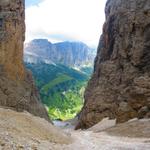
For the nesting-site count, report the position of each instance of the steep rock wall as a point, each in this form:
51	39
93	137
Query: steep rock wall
120	85
73	54
12	29
17	89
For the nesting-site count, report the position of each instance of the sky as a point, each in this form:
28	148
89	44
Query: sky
65	20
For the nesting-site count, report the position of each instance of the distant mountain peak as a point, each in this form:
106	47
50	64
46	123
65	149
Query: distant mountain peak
69	53
40	40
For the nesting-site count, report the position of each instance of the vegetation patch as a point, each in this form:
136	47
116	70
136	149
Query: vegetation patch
61	88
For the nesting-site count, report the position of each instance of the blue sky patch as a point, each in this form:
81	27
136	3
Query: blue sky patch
32	2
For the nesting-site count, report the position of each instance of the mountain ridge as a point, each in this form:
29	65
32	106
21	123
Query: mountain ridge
61	71
73	54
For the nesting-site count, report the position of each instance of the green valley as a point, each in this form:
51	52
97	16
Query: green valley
61	88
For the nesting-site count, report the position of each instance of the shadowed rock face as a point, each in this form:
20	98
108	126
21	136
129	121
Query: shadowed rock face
17	88
120	85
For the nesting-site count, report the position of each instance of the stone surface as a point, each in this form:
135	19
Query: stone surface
103	125
17	89
120	85
18	128
12	31
23	131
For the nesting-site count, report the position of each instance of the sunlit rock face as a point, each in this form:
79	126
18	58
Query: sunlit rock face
17	88
72	54
12	29
120	85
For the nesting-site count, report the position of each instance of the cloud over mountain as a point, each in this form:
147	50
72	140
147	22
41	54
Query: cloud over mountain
68	19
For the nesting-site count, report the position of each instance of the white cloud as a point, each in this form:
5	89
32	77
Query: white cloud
71	19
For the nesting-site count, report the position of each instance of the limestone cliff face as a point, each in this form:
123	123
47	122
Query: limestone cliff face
120	85
73	54
12	29
17	88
